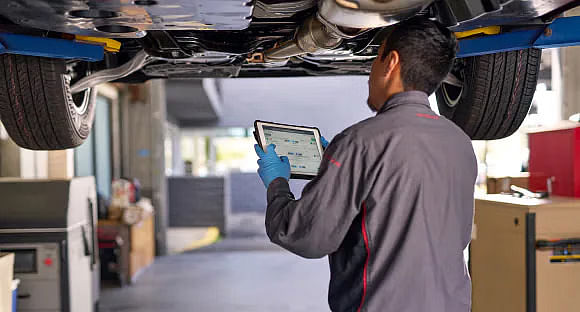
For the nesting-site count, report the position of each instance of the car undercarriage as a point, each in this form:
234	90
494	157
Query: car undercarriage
263	38
499	42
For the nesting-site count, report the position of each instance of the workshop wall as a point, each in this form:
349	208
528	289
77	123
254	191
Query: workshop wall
247	192
329	103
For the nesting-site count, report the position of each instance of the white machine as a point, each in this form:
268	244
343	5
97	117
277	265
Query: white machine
50	227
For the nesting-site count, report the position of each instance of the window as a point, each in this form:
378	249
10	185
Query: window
217	151
94	156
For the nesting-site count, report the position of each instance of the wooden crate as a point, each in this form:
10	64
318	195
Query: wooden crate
137	250
142	246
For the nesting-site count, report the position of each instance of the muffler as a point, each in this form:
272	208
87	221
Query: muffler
311	37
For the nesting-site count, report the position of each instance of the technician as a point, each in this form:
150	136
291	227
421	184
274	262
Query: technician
392	205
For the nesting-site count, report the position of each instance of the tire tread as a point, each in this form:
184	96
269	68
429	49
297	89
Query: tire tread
498	93
36	104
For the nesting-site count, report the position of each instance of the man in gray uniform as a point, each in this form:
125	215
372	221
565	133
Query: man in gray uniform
392	204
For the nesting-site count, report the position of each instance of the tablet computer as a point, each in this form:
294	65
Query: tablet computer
300	144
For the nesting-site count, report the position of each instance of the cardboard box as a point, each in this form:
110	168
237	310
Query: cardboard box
498	185
6	277
142	246
509	273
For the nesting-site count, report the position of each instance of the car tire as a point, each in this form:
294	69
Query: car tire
36	105
490	95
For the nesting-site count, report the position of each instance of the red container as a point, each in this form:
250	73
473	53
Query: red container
555	153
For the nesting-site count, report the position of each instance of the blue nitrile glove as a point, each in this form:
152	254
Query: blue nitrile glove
324	142
272	166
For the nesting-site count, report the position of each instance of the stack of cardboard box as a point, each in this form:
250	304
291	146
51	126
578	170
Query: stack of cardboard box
525	252
499	185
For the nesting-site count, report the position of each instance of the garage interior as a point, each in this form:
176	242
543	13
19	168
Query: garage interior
173	210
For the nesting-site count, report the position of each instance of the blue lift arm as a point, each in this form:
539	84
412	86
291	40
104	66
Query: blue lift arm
562	32
50	47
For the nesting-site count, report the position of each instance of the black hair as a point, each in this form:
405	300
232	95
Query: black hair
426	51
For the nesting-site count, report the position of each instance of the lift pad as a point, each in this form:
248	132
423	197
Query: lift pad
50	47
111	45
491	30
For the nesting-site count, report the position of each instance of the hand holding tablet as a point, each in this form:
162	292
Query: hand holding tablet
301	145
271	165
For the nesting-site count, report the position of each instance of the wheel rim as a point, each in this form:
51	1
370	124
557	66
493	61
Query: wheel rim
452	94
81	101
75	72
453	88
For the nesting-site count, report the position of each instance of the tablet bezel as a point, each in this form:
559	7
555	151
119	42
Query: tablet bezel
261	139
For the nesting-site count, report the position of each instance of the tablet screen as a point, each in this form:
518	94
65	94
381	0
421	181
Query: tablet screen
298	145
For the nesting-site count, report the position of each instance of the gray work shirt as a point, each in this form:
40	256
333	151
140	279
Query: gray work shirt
392	206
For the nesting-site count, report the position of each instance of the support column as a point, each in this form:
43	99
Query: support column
157	100
570	64
143	149
61	164
9	158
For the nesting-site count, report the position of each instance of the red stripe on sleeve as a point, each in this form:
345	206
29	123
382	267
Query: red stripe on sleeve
428	116
332	160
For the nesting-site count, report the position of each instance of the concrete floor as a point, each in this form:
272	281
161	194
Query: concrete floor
215	280
242	273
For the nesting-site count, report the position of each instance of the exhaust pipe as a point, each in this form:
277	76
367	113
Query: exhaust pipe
311	37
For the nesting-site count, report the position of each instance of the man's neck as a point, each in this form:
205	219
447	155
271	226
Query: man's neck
388	96
407	97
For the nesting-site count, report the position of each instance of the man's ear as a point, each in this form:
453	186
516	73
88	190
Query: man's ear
392	62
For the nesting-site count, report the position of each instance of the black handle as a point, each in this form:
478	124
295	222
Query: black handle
557	243
94	243
86	242
24	296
